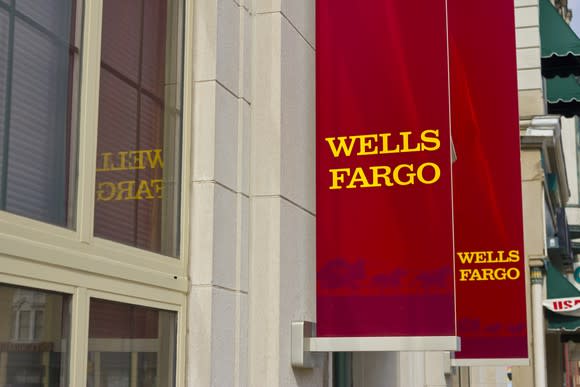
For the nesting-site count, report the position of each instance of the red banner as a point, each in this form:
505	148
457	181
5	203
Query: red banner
490	267
384	201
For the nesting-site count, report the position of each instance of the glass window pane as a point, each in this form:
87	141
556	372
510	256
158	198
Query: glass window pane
27	359
38	324
130	345
39	66
138	155
24	325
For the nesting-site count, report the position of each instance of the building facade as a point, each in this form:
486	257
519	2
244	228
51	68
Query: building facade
157	197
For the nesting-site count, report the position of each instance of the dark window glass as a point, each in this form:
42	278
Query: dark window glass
34	337
138	150
130	345
39	67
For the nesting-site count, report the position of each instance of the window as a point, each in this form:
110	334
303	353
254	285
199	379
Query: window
137	197
39	68
48	120
91	150
91	168
130	345
33	355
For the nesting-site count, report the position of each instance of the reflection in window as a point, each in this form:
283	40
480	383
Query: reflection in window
139	133
130	346
34	336
39	68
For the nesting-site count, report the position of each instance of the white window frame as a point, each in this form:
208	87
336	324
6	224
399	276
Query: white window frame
122	291
79	248
47	257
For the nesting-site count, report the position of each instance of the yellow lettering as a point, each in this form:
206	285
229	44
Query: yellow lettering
466	257
436	173
143	189
430	136
101	191
367	144
106	162
513	273
406	147
479	257
154	158
358	176
385	176
126	187
342	146
409	175
487	274
464	274
514	256
385	147
500	274
138	158
338	177
475	276
157	184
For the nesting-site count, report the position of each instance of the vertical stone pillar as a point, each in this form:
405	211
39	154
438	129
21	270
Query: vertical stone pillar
537	278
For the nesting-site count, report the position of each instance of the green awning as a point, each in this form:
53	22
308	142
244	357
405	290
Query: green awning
560	45
562	89
563	95
560	288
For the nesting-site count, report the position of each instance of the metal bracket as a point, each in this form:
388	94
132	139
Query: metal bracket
301	357
305	344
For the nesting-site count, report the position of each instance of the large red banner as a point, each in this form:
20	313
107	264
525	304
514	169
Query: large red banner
384	201
490	267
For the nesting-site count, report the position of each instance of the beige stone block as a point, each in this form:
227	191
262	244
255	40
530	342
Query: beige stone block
531	165
202	233
302	14
199	338
223	355
204	126
530	79
226	138
266	106
527	16
228	45
298	123
525	3
224	268
264	298
214	236
243	233
244	130
205	45
531	103
215	137
534	222
246	56
266	6
241	347
528	58
527	37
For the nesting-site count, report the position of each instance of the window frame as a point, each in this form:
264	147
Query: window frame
42	256
80	308
79	248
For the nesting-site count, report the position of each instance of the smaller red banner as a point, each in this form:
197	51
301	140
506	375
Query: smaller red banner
489	256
